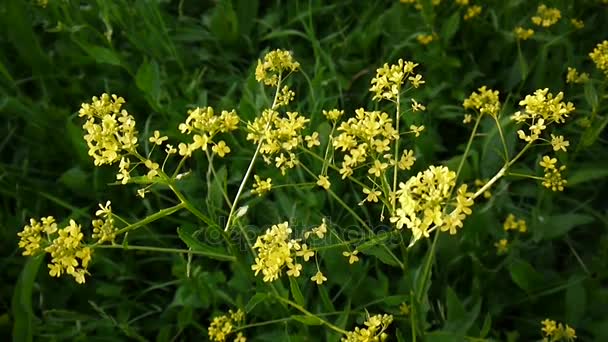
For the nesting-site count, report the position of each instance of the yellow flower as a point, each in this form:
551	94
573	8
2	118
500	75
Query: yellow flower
318	278
467	118
152	167
333	115
378	168
559	143
276	63
407	160
352	256
472	12
462	2
221	327
110	130
261	186
485	101
312	140
502	246
389	79
548	163
103	228
577	23
221	149
549	327
157	139
416	129
375	329
546	16
599	56
324	182
574	77
417	107
404	309
372	195
522	33
425	39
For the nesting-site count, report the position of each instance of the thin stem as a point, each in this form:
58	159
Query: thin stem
427	267
502	137
158	215
393	195
468	147
170	250
310	314
251	163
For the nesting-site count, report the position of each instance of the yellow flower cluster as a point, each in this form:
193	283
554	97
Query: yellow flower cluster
502	246
422	199
573	76
484	101
206	124
110	130
553	331
472	12
279	137
68	254
599	56
425	39
222	326
276	251
553	174
103	228
577	23
512	223
333	115
261	186
275	64
375	327
389	79
522	33
541	109
368	134
546	16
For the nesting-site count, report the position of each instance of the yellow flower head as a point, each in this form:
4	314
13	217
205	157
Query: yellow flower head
599	56
333	115
573	76
68	253
541	109
318	278
374	330
389	79
484	101
546	16
472	12
274	66
502	246
103	227
110	130
223	326
522	33
261	186
276	251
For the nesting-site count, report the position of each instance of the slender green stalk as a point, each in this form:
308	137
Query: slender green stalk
170	250
310	314
251	163
502	137
427	268
158	215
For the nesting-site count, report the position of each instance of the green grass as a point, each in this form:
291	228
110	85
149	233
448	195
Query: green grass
165	57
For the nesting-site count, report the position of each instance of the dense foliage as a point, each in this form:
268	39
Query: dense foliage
304	170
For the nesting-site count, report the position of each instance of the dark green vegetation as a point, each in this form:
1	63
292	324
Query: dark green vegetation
164	57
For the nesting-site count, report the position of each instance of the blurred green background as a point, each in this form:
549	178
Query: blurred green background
164	57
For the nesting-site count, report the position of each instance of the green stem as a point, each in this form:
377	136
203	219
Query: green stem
393	194
251	163
427	268
310	314
502	137
158	215
468	147
170	250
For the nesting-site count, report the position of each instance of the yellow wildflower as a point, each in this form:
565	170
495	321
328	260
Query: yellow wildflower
417	129
484	101
472	12
541	108
372	195
275	64
502	246
417	107
378	168
573	76
522	33
599	56
261	186
312	140
333	115
222	326
389	79
352	256
220	148
577	23
157	139
324	182
375	327
318	278
103	227
425	39
559	143
546	16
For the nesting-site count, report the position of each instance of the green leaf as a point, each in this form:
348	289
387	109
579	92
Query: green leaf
255	300
524	275
591	95
186	234
455	308
487	325
308	320
102	55
295	292
147	80
450	27
587	173
576	301
381	253
21	305
76	180
558	225
591	135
